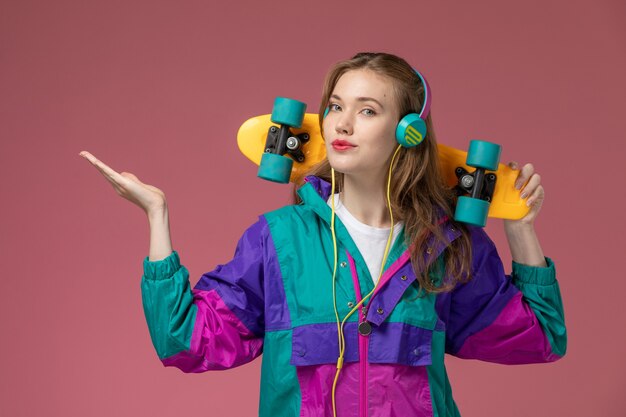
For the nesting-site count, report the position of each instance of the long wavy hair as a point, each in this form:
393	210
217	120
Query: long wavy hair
419	196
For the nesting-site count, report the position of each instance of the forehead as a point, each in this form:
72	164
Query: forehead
365	83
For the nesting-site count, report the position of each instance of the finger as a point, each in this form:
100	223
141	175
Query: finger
118	187
531	185
536	199
525	173
131	176
118	181
134	178
101	166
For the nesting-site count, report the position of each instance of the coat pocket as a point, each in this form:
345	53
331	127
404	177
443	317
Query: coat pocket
401	343
393	343
318	344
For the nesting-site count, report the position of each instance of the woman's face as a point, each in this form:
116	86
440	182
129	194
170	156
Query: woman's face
360	127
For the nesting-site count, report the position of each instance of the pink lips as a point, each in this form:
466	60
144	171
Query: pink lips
342	145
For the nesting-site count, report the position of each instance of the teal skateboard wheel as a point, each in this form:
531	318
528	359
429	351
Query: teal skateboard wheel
288	112
484	155
471	211
276	168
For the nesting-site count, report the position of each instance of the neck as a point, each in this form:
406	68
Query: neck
365	197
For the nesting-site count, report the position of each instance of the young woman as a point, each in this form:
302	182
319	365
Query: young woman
355	293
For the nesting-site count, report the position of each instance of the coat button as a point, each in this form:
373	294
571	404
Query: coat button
416	351
380	310
343	264
350	304
302	352
403	277
429	250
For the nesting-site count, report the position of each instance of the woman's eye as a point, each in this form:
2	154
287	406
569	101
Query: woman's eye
334	107
369	112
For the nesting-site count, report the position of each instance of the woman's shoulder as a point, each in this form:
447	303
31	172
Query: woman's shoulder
289	211
294	220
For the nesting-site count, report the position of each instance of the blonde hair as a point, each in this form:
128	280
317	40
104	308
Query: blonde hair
419	195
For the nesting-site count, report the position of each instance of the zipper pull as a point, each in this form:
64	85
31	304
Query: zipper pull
365	328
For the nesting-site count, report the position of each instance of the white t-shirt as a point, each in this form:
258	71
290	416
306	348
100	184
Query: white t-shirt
371	241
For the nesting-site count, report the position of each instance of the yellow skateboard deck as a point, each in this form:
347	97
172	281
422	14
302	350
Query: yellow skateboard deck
505	202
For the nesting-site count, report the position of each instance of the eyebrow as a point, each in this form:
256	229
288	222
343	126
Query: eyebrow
361	99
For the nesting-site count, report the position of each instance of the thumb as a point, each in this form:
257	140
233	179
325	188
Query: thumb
130	176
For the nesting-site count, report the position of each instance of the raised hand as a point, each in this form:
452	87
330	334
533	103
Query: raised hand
127	185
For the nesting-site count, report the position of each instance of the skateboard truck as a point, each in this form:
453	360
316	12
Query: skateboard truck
476	184
275	166
474	208
281	141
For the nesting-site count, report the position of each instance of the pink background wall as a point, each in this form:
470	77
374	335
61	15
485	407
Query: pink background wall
160	88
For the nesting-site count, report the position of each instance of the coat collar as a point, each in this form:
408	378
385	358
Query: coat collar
315	193
321	187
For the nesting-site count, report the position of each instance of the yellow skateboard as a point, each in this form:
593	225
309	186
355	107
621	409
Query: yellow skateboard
288	142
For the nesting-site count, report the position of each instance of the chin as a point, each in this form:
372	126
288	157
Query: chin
347	170
339	165
340	169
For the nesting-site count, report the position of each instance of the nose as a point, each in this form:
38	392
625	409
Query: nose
344	124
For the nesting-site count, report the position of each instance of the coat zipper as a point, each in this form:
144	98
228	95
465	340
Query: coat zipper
364	339
363	348
363	342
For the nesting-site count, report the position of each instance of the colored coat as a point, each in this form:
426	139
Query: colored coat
275	297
